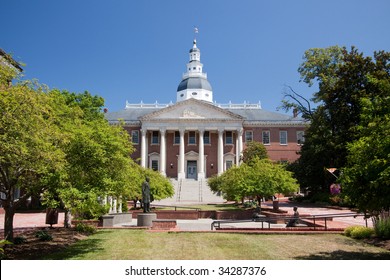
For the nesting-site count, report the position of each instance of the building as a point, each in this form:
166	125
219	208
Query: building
7	61
196	138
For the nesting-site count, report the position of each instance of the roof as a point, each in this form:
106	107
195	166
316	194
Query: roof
194	83
249	115
10	60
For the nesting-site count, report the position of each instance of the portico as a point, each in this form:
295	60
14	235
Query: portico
190	138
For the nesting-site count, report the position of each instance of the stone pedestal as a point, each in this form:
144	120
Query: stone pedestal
145	219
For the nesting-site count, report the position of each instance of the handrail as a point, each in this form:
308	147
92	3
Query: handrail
217	223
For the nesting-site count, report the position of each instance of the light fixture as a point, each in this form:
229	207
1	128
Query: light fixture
171	165
212	165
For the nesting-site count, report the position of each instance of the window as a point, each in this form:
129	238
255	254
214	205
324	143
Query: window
206	137
155	165
228	137
229	164
300	137
155	137
283	137
135	137
176	139
266	137
194	93
248	136
192	138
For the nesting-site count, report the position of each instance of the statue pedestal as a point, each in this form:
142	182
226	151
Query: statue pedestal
145	219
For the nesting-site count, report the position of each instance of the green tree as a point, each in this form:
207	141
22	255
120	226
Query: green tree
342	81
29	150
366	177
260	177
98	162
254	150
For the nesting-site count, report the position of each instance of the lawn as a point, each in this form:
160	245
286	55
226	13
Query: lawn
127	244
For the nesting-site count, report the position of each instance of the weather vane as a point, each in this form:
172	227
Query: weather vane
196	31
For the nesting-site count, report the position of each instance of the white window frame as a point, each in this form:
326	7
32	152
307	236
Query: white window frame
191	137
283	140
248	136
155	138
228	137
133	133
178	138
206	137
269	137
300	137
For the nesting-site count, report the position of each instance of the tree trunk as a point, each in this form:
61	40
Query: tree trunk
67	219
9	223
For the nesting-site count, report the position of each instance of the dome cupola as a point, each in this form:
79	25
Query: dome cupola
194	83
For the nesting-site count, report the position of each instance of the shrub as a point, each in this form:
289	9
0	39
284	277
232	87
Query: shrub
20	239
85	228
382	228
359	232
43	235
348	230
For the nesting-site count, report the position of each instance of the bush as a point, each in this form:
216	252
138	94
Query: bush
20	239
382	228
348	230
85	228
43	235
359	232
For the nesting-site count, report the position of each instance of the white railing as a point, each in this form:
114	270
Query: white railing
229	105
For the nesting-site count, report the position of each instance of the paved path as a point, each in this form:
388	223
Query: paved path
31	220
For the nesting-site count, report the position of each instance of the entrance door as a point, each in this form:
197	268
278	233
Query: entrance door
192	172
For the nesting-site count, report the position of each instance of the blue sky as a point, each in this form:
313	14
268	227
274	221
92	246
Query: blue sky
138	50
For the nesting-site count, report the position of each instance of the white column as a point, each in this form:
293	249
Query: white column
163	153
201	172
120	202
220	151
239	146
143	147
114	205
181	173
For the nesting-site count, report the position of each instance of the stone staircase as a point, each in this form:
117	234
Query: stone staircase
190	191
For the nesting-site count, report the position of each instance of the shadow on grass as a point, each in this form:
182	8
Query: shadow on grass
345	255
89	245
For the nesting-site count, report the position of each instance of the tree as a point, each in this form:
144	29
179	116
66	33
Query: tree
254	150
260	177
342	82
29	148
366	177
98	162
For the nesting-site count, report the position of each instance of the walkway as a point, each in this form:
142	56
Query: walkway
24	221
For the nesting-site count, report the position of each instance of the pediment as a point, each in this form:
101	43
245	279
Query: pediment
192	109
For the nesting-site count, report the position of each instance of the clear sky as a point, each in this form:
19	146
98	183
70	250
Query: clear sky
138	50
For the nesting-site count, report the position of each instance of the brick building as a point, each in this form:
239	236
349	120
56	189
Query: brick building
196	138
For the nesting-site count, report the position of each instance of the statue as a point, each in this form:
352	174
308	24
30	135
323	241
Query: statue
294	221
146	195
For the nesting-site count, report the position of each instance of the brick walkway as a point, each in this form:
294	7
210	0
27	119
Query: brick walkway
24	221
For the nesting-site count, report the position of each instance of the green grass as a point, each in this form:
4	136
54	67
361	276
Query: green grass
139	244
